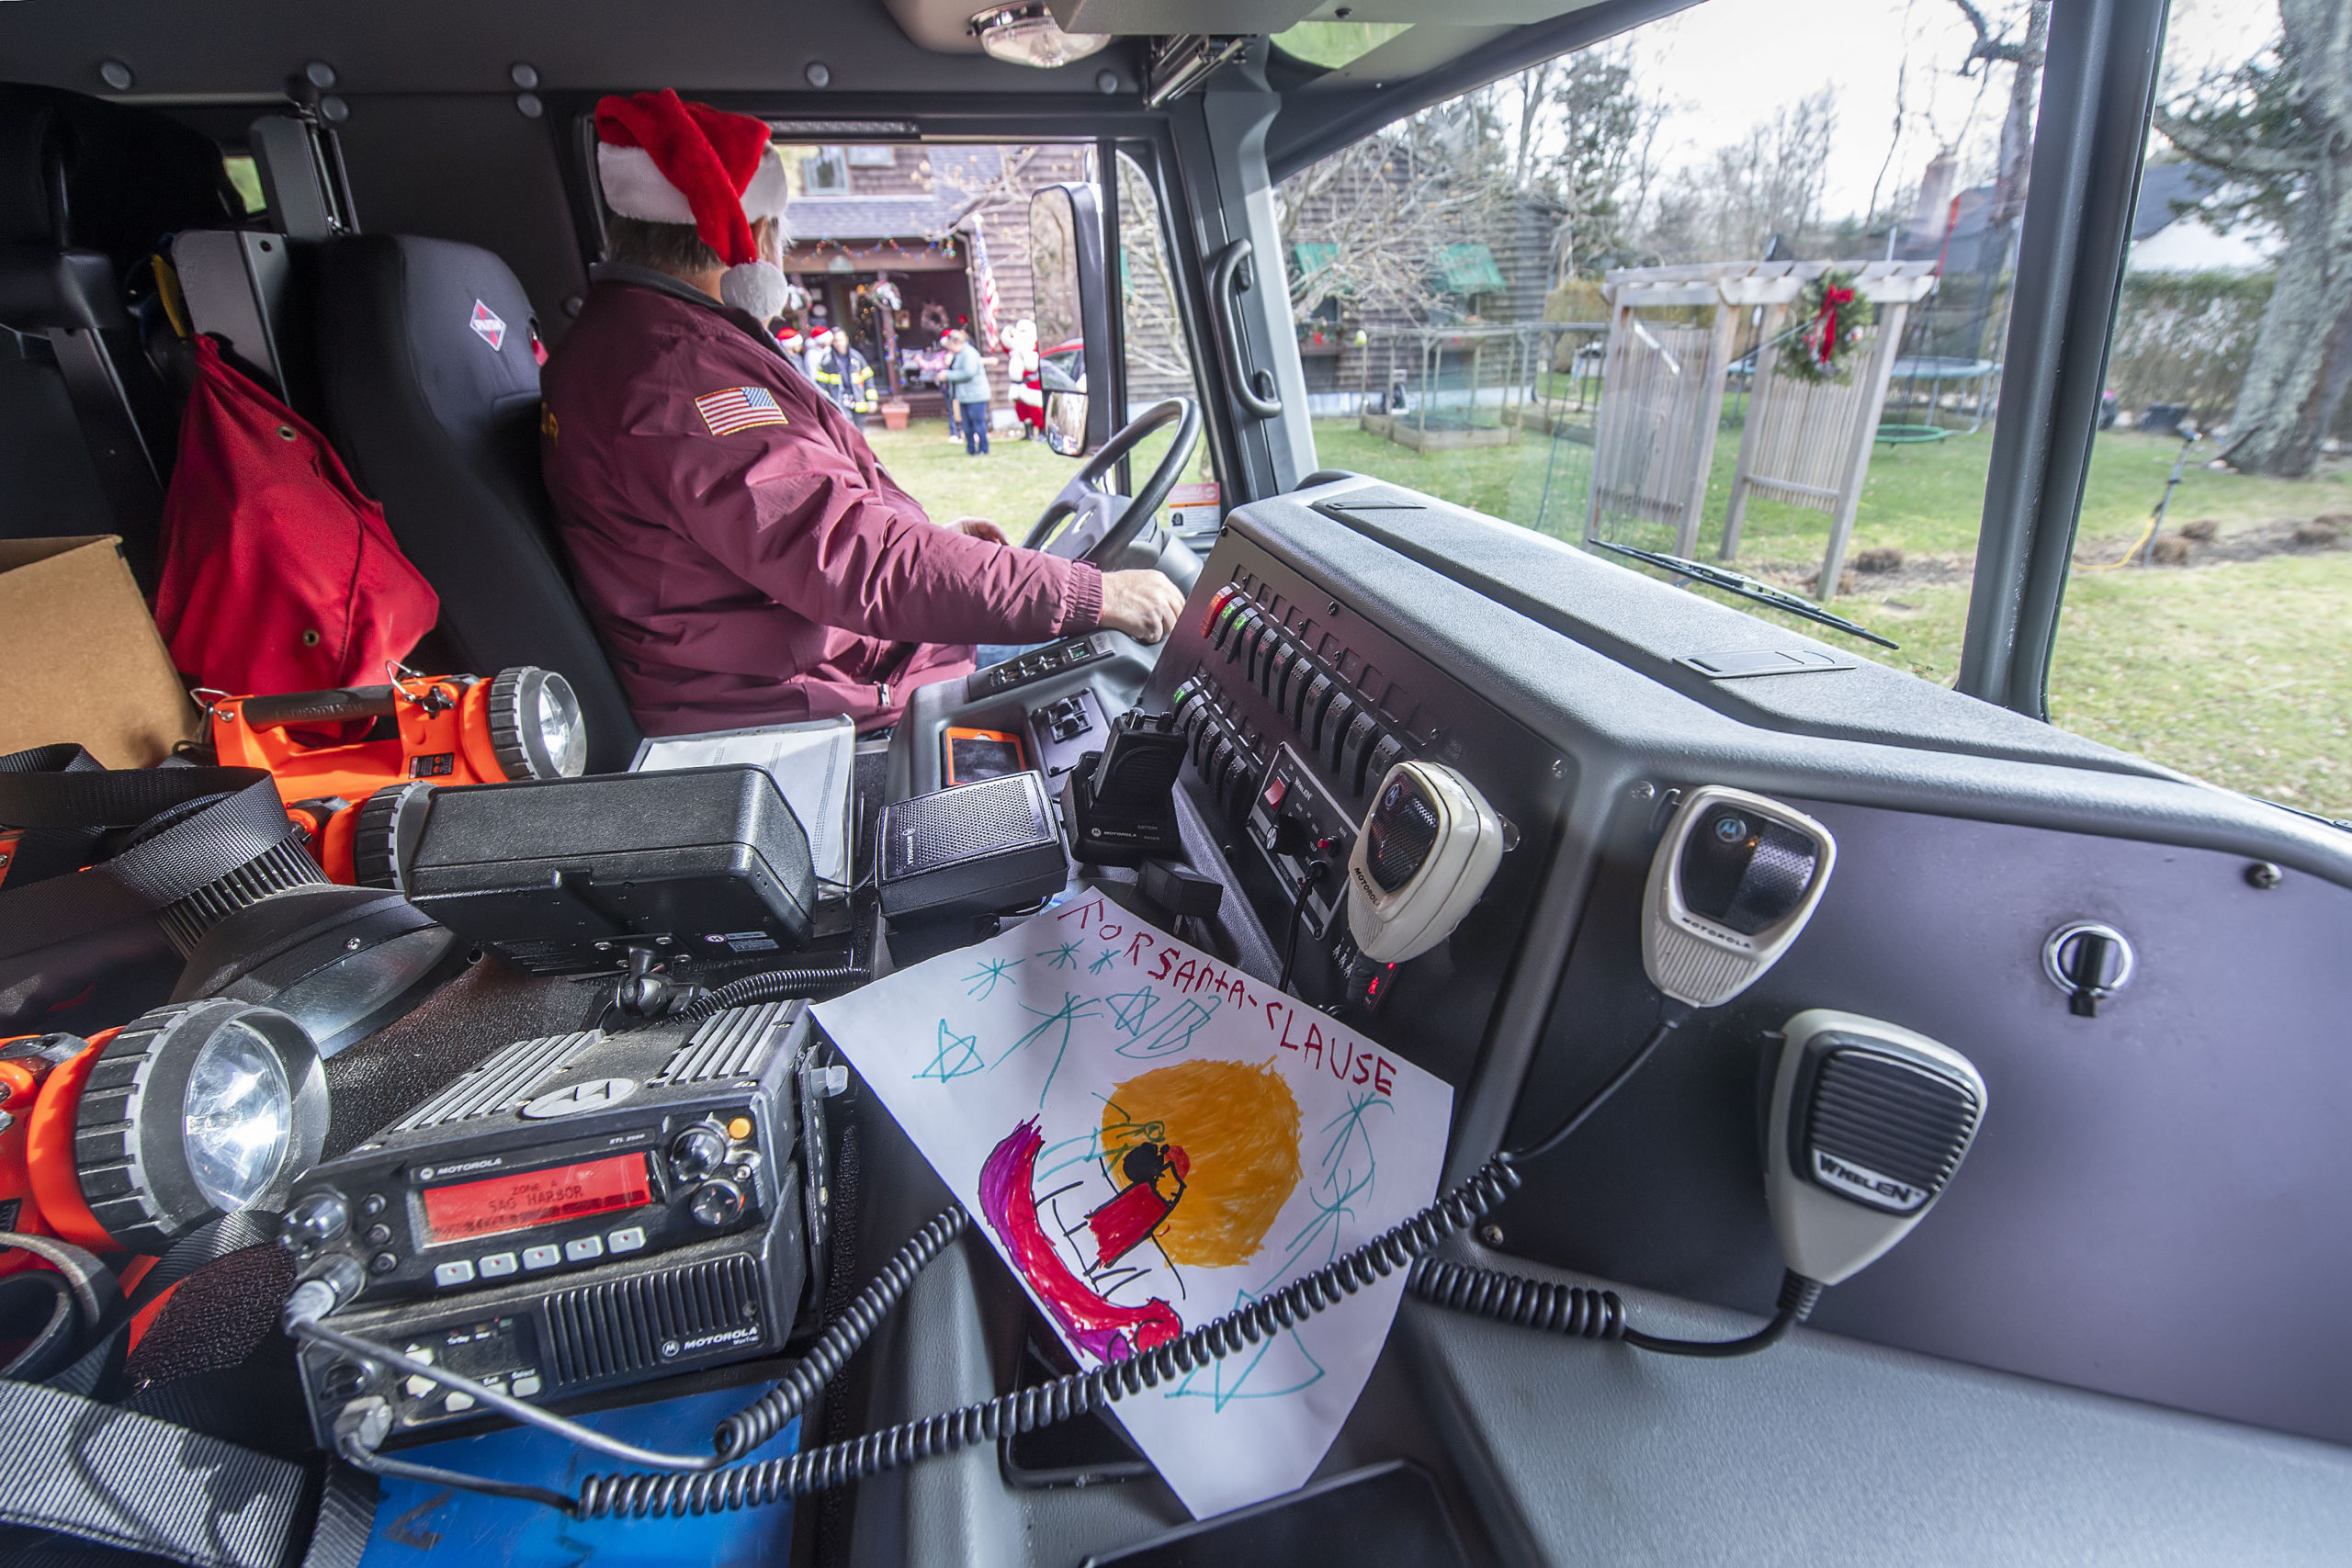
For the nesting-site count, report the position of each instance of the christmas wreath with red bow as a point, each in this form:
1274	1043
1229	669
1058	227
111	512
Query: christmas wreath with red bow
1831	315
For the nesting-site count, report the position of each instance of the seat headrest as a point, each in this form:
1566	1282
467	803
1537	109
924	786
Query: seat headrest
81	174
453	311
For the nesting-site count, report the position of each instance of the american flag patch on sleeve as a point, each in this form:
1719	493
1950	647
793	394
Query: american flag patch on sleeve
739	408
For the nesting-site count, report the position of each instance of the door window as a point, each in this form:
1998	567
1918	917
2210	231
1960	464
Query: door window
2208	617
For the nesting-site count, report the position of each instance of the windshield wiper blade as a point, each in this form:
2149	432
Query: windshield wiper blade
1746	587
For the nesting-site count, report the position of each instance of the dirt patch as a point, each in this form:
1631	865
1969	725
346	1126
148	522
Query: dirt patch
1892	573
1909	571
2203	543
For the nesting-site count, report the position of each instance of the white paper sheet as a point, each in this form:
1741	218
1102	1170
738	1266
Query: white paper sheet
811	763
1148	1139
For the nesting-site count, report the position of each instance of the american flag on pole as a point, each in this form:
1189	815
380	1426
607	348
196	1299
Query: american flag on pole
984	294
739	408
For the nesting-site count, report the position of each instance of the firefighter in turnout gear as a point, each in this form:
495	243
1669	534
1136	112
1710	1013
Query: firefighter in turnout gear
842	375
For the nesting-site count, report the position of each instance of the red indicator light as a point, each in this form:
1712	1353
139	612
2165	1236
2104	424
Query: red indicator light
505	1203
1218	602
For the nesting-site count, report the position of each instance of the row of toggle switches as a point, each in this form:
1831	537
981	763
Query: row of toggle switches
1335	725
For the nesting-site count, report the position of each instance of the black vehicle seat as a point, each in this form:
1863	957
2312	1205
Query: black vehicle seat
89	190
433	397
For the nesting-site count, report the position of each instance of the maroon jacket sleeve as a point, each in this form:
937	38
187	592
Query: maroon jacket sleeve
792	511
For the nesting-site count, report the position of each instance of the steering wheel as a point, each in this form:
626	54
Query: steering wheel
1102	524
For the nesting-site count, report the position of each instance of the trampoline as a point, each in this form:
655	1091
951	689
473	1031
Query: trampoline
1974	379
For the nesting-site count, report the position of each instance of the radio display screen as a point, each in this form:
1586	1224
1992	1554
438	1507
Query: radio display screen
501	1203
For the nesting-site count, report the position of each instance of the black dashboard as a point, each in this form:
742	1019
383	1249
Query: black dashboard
2133	1277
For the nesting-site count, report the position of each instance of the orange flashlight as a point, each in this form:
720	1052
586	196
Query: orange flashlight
524	723
132	1139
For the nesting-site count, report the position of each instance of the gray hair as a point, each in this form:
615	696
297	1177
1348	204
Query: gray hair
674	248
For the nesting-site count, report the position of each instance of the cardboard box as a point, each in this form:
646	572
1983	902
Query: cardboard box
79	657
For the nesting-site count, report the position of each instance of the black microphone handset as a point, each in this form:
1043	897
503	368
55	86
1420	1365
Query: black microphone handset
575	1214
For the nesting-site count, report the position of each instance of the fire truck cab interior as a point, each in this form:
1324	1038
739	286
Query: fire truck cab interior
2119	1338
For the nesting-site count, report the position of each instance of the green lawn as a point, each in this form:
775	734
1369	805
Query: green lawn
2239	672
1009	486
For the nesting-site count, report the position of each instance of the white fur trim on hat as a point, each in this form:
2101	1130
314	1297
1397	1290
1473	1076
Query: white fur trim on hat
755	286
634	188
769	190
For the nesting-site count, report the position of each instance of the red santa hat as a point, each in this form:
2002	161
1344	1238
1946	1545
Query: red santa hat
662	160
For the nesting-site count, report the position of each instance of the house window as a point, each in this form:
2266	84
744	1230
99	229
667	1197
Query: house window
825	172
872	157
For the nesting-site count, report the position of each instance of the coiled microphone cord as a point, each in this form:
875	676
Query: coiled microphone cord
711	1484
747	1429
1076	1394
1580	1312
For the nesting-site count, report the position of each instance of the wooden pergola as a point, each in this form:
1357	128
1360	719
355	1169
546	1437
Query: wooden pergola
1663	395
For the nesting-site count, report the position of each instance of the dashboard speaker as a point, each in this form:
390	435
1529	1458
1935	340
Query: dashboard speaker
971	850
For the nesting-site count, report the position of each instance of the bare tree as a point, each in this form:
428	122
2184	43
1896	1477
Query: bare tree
2013	163
2279	130
1606	164
1535	86
1373	215
1769	185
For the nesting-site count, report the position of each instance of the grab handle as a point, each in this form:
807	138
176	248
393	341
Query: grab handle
1227	280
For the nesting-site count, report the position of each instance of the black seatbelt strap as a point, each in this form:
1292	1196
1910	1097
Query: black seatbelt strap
131	1481
226	817
45	851
97	1472
85	1472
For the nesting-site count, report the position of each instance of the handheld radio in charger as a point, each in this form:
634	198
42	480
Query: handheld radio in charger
1120	801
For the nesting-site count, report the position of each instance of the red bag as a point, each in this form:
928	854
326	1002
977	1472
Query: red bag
279	575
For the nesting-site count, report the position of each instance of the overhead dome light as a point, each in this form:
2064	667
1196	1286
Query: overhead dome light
1026	34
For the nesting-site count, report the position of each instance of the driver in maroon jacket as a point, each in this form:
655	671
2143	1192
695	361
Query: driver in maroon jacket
742	555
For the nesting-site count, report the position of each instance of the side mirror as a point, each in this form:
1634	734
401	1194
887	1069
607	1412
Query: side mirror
1065	414
1073	309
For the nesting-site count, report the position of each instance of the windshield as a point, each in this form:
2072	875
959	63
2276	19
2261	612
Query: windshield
1733	290
897	246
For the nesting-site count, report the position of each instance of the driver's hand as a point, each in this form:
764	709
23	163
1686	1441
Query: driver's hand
978	528
1144	605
